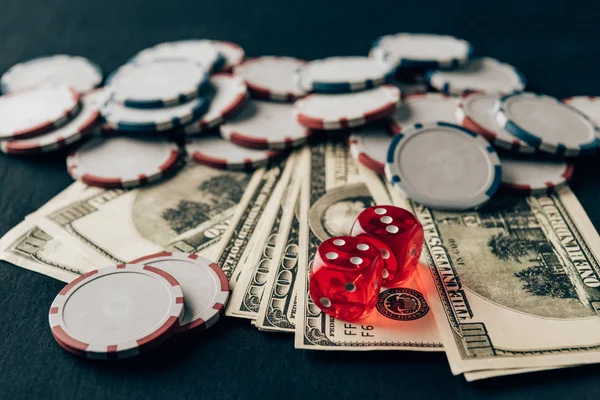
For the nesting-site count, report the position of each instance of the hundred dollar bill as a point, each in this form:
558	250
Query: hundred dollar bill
514	285
331	198
252	273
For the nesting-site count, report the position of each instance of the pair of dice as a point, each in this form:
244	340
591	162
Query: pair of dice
347	272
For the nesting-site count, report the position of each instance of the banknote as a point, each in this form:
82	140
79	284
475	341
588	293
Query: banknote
513	285
331	198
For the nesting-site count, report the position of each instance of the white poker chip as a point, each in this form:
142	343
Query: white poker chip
265	125
423	51
159	83
37	110
534	176
77	72
342	74
348	110
232	53
201	51
547	124
422	108
271	77
228	94
588	105
369	146
123	162
127	119
116	312
443	166
204	285
484	74
73	131
216	152
477	112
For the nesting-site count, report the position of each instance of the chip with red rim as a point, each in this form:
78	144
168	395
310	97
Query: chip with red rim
265	125
117	312
476	111
205	286
369	146
534	176
123	162
271	77
73	131
37	110
232	53
423	108
348	110
216	152
228	96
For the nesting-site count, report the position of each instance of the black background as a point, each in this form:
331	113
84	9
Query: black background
555	44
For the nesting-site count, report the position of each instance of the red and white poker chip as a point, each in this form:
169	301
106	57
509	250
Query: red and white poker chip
228	97
369	146
534	176
205	286
476	111
233	53
265	125
36	110
216	152
117	312
423	108
123	162
271	77
347	110
73	131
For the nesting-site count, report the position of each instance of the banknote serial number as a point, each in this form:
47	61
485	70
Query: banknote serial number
356	330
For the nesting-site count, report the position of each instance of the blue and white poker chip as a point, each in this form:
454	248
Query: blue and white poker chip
443	166
483	74
77	72
201	51
422	51
343	74
159	83
547	124
127	119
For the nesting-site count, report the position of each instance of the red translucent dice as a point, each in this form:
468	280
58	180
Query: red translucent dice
394	230
345	277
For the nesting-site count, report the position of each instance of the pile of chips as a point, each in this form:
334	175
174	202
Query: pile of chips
447	129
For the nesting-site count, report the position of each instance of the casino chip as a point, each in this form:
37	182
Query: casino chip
443	166
588	105
128	119
36	110
477	111
265	125
423	107
422	51
229	93
77	72
342	74
271	77
201	51
547	124
349	110
159	83
123	162
408	89
205	286
217	152
369	147
116	312
74	130
231	52
483	74
534	176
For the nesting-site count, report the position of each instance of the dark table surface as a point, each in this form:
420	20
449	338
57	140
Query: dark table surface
556	47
